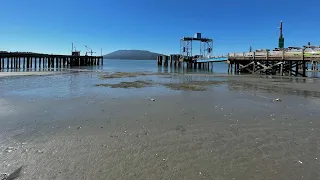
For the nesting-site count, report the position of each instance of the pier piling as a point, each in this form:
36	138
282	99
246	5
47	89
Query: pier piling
35	61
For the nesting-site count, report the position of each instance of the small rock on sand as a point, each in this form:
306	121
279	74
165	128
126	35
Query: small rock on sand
10	149
278	99
40	151
3	176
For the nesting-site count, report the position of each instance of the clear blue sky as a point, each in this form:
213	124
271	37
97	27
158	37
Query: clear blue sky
50	26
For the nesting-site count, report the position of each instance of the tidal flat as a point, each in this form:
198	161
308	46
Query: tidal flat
63	126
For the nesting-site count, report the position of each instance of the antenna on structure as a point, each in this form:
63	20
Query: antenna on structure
101	51
281	38
250	50
89	50
281	34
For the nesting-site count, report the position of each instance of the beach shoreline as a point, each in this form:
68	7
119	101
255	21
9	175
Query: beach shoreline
241	128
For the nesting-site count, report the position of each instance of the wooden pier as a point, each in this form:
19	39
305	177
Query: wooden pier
12	60
291	63
176	60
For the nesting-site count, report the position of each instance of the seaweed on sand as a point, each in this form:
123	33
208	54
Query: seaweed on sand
134	84
192	85
128	74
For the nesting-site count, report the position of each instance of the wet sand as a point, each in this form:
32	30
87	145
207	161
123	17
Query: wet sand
5	74
235	129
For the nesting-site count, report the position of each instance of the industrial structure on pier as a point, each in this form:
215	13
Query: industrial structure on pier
281	61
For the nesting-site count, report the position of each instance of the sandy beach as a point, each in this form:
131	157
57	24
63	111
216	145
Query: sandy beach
212	127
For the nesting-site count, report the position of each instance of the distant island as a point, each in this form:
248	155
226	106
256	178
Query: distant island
132	55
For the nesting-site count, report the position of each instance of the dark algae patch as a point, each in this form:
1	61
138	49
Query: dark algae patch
128	75
134	84
185	87
121	75
192	85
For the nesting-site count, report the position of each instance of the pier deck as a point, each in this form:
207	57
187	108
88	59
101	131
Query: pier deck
213	59
13	60
292	63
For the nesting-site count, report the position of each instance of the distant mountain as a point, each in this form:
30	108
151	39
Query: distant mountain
132	55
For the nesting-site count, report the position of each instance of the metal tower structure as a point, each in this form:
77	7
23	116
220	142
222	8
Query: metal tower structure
186	46
281	38
89	50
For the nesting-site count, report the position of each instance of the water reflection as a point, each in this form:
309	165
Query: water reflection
306	87
268	87
182	70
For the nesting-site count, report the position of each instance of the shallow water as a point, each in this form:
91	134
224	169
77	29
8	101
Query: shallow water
142	65
125	66
63	127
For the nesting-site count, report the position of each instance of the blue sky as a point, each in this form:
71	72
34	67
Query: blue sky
50	26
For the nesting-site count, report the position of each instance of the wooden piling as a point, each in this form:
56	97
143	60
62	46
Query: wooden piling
24	62
31	63
304	68
297	68
13	60
49	62
166	59
253	67
35	63
11	63
28	63
281	69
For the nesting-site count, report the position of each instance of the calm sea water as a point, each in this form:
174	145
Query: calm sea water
111	65
145	65
130	66
79	84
